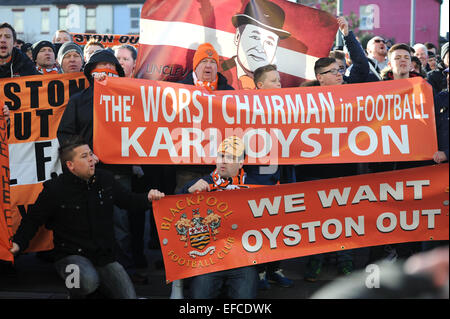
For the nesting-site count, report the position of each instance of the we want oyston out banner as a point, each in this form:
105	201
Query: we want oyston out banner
212	231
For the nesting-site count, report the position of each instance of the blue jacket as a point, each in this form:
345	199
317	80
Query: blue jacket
283	174
360	71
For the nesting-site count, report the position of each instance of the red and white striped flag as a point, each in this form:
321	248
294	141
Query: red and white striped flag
246	34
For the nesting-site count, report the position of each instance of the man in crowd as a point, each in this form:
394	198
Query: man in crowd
13	62
399	63
204	74
400	66
377	53
126	55
242	283
267	77
62	36
441	105
77	206
91	46
421	52
432	60
78	120
328	73
70	58
359	71
436	78
44	56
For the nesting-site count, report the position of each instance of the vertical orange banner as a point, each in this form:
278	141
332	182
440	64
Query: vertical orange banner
5	194
36	104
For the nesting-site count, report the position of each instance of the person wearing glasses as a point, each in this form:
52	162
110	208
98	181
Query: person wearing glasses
377	52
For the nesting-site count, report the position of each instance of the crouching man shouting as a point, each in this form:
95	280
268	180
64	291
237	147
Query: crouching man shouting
78	207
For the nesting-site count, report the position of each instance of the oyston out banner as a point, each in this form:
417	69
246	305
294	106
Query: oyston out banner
259	225
246	34
36	105
108	40
154	122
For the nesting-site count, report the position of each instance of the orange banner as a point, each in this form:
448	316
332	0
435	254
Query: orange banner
151	122
207	232
108	40
5	200
36	104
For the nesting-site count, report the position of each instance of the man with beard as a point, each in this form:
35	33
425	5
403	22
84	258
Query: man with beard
13	62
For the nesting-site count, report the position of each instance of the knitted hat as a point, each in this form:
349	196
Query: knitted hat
69	47
232	145
205	50
104	55
444	50
39	45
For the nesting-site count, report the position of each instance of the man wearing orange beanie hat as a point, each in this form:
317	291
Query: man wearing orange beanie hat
205	63
204	74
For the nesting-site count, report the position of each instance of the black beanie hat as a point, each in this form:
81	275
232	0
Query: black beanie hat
39	45
104	55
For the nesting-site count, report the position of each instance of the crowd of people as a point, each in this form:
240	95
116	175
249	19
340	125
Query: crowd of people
112	256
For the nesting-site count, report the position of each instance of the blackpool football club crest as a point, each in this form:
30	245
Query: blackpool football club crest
198	231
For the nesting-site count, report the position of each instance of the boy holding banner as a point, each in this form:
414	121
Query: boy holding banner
229	174
267	77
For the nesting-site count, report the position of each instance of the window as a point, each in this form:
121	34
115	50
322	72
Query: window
135	15
45	20
18	20
90	19
63	15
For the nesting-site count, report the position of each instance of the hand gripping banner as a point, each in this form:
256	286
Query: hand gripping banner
212	231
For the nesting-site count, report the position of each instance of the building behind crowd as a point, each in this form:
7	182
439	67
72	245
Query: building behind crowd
391	18
36	20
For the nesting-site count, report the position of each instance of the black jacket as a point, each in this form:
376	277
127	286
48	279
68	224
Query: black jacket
360	71
437	80
80	214
20	65
222	83
441	105
78	117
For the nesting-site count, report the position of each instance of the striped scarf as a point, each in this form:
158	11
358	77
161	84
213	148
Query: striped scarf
235	182
210	86
44	71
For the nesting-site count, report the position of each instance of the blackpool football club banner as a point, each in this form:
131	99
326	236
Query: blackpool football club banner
212	231
246	34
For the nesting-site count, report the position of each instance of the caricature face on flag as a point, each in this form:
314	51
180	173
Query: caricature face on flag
246	34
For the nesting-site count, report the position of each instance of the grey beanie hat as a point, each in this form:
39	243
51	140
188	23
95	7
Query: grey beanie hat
69	47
